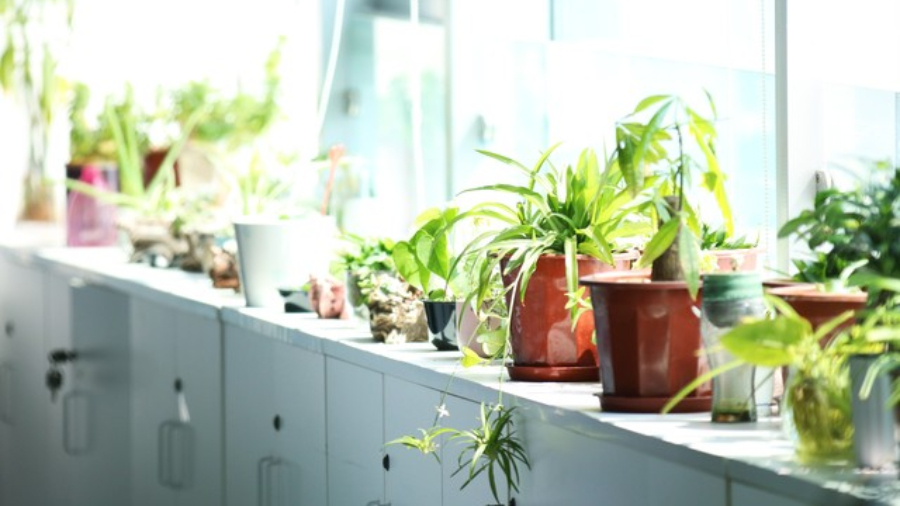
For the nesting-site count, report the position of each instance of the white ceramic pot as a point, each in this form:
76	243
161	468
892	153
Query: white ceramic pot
281	253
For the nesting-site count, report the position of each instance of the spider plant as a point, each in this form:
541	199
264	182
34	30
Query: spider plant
571	210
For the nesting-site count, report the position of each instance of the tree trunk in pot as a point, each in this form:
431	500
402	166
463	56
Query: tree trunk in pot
667	267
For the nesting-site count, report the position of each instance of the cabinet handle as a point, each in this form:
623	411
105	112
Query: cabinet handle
9	328
386	462
76	423
174	451
6	379
162	458
263	493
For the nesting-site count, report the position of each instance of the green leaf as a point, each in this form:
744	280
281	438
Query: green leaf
8	65
689	256
659	243
700	380
650	101
768	343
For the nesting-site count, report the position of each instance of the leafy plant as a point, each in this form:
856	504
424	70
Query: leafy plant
719	239
425	260
659	169
856	228
492	447
230	121
153	199
364	257
566	211
817	392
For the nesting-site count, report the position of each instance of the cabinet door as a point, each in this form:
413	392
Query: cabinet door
94	409
153	400
199	364
412	479
29	401
354	410
299	476
249	408
6	366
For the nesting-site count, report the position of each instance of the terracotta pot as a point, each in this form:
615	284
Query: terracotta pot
818	307
648	336
544	347
731	260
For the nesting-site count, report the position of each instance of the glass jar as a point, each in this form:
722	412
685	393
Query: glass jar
728	299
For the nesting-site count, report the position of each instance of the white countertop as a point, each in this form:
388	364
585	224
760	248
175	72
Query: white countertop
752	453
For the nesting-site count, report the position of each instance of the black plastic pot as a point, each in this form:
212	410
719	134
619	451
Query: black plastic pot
441	317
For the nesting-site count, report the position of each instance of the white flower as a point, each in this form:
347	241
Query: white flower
442	411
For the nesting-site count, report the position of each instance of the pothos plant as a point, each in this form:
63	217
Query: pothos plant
425	260
662	160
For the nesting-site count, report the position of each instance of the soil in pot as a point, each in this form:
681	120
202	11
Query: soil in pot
544	346
648	337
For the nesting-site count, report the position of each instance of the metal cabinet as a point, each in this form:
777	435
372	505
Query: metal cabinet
411	478
274	421
87	428
355	405
176	406
23	400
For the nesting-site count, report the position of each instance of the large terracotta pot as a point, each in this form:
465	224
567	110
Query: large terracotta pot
544	347
818	307
648	337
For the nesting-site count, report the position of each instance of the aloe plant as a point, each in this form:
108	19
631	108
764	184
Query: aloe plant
660	170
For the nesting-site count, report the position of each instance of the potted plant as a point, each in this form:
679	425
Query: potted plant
90	222
818	393
147	211
729	253
648	334
563	224
425	261
359	259
281	239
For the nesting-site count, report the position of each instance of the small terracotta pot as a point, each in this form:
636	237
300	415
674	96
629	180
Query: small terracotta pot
544	347
818	307
731	260
648	336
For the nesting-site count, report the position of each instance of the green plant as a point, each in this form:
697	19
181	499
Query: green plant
817	391
493	447
659	169
154	199
362	258
231	122
565	210
87	143
425	260
31	33
719	239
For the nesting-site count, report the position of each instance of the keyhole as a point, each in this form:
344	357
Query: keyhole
9	328
386	462
277	422
178	385
54	381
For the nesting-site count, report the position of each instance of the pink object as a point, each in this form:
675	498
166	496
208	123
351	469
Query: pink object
90	222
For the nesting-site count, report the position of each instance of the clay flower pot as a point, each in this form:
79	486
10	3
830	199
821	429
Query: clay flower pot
818	307
732	260
544	347
648	336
